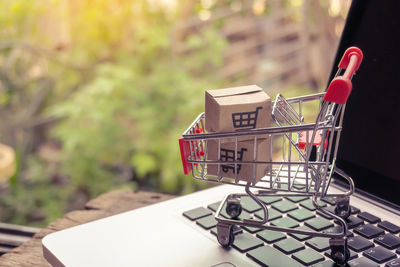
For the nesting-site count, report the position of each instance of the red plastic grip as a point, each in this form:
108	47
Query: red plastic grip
185	152
339	90
344	62
340	87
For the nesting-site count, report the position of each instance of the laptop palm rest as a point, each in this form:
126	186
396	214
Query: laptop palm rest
128	239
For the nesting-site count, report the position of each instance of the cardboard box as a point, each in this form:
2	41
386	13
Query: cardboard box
245	151
237	108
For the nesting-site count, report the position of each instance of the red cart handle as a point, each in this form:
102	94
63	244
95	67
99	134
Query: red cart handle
340	87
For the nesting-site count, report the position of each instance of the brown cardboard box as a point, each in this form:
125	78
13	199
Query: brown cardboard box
237	108
245	150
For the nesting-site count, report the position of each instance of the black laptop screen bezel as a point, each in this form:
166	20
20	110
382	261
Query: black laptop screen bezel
372	26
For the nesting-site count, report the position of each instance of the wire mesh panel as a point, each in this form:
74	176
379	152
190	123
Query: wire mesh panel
291	171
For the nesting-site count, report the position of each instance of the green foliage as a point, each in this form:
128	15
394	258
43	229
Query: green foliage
94	95
120	96
36	199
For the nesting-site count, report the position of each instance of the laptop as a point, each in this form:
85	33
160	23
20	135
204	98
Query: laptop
182	231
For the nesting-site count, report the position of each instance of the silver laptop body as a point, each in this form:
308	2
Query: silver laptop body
158	235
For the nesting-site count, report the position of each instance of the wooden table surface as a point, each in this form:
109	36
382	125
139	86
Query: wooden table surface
114	202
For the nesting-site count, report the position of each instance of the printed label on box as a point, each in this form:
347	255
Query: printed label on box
245	153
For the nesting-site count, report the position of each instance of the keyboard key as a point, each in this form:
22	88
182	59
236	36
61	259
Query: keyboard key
272	214
353	221
394	229
336	230
197	213
309	205
368	217
269	256
270	199
301	214
329	208
207	222
251	229
359	243
224	214
368	231
248	204
289	245
362	262
329	200
214	231
243	215
318	243
297	199
379	254
308	256
353	254
284	206
327	263
389	241
395	262
299	186
281	185
270	236
285	222
236	230
214	206
301	237
318	223
332	210
354	210
244	242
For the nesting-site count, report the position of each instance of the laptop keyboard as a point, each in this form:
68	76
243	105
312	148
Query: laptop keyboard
372	242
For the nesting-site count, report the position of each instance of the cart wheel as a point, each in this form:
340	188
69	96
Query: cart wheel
225	235
342	208
340	254
343	212
233	207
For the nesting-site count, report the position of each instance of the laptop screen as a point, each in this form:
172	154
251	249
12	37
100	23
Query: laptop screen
370	143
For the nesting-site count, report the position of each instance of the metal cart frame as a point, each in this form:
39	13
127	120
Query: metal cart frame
297	173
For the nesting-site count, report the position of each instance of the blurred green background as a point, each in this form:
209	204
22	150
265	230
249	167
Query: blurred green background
94	94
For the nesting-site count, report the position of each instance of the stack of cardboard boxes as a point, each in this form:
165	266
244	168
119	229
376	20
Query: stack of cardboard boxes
233	109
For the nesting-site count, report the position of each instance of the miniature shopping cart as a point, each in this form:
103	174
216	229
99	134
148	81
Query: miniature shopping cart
305	167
